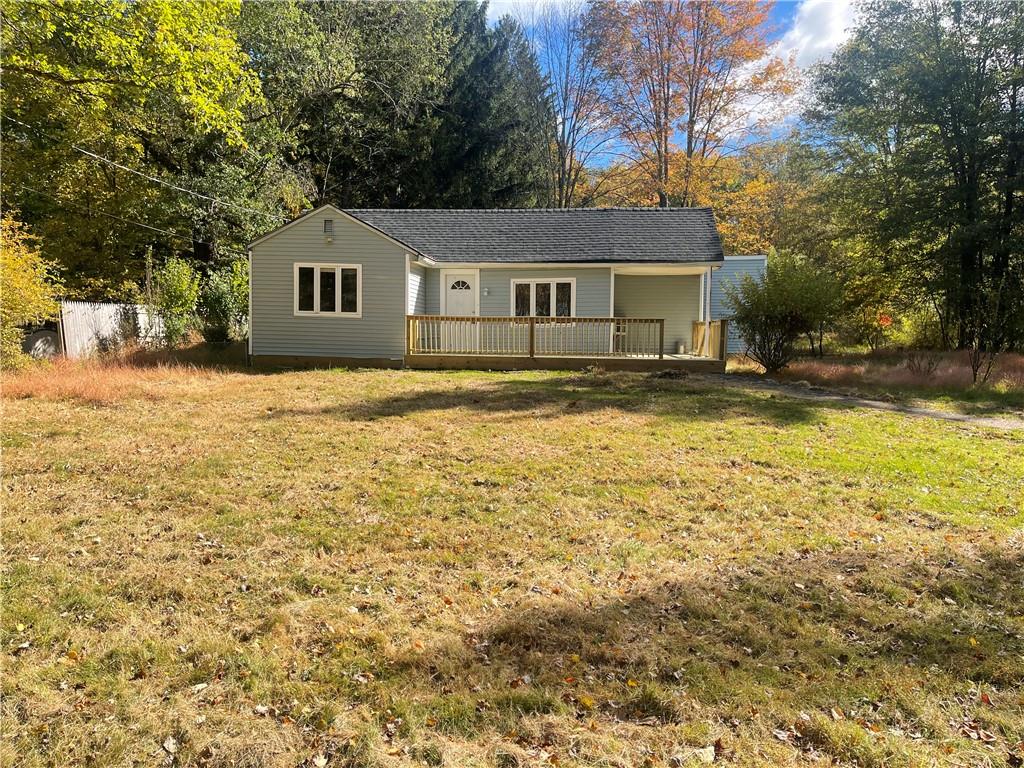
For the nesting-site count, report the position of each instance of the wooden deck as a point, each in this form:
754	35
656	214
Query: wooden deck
553	343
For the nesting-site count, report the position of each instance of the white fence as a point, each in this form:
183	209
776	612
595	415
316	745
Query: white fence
88	327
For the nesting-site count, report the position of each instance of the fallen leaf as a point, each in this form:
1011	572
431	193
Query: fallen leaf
171	745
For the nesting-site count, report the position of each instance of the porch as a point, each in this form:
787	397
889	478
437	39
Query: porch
614	343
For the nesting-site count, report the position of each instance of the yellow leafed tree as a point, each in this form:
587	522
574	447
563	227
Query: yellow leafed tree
27	287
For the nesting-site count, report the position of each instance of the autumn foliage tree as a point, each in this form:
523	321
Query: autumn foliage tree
27	288
687	81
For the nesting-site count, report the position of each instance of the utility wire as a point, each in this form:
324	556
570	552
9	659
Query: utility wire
154	179
184	238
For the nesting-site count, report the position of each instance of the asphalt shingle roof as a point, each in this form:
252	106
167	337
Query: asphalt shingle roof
654	235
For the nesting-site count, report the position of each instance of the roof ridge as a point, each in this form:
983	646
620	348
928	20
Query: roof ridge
531	210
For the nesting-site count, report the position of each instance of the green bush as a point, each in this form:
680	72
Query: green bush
792	298
177	293
224	303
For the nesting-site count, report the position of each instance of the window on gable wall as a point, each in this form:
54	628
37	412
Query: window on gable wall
544	298
328	289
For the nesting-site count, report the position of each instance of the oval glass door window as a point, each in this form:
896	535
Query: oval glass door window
460	285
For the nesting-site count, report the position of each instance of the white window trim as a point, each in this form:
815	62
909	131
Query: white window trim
315	312
533	294
446	275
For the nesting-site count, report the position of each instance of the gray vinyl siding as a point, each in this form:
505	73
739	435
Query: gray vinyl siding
732	271
673	298
276	330
432	291
417	302
593	288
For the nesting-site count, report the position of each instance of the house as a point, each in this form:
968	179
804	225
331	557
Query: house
626	288
731	272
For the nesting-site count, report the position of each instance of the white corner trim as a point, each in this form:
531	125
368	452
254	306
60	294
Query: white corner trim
249	329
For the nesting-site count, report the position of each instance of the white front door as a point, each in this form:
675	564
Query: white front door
460	291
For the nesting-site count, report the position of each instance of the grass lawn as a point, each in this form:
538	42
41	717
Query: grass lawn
411	568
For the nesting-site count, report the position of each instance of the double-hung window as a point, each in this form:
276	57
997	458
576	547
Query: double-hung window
329	289
544	298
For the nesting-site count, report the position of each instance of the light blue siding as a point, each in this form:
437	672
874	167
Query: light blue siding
672	298
417	304
432	291
276	330
733	270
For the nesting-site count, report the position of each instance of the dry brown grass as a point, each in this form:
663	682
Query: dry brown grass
400	568
890	374
102	381
952	372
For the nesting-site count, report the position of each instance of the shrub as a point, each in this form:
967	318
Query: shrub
792	298
27	288
215	308
177	293
224	303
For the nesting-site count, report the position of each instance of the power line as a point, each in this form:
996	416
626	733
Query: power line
101	158
175	235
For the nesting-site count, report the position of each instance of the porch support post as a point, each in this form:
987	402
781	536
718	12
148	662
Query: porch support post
611	310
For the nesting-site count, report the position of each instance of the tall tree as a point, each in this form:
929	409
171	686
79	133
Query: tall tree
351	86
688	80
493	121
100	98
923	109
566	44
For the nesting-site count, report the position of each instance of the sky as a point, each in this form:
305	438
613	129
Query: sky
810	29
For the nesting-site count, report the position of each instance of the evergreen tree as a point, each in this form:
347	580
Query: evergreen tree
490	144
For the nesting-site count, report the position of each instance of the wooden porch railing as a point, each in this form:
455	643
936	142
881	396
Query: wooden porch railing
713	344
535	336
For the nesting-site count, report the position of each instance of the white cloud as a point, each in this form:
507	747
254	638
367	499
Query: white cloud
819	27
498	8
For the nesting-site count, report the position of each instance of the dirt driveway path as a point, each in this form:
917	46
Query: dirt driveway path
806	393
